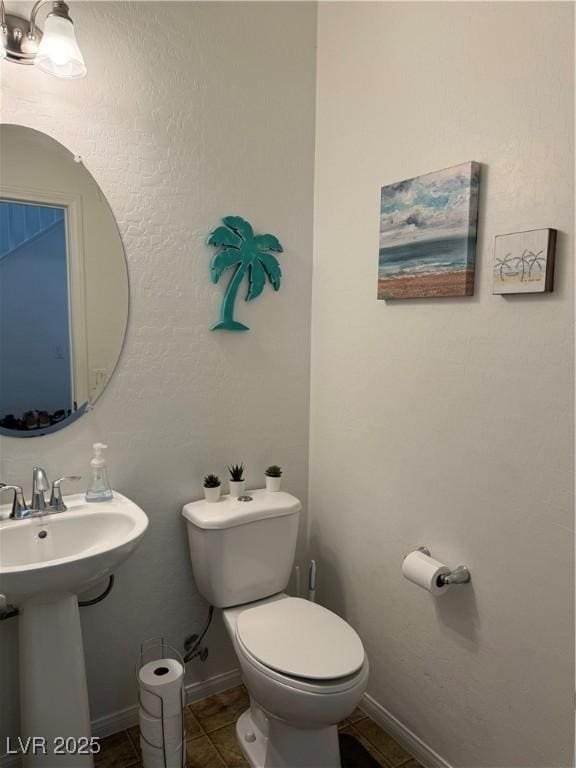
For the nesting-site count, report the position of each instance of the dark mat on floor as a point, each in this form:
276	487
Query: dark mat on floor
353	754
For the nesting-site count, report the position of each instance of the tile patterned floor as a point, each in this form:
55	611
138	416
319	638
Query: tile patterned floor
211	738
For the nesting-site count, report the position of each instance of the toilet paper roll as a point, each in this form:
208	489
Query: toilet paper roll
161	687
423	570
158	732
153	757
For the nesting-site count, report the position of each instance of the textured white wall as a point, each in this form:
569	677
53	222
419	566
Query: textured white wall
448	422
190	111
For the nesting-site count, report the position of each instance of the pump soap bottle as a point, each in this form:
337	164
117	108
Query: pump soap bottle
99	488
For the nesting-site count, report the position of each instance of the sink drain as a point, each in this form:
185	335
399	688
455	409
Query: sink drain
42	534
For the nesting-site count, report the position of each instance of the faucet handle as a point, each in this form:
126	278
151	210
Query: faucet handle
18	505
56	501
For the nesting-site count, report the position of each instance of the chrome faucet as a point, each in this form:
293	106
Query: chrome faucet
38	506
39	485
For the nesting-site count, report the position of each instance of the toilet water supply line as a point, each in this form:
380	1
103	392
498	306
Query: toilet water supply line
193	643
312	579
312	575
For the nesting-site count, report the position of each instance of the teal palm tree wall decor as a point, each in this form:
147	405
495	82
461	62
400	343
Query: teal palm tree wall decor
251	256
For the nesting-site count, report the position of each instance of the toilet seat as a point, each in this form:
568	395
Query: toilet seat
300	643
326	687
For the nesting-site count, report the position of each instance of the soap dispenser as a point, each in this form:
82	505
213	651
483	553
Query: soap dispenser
99	488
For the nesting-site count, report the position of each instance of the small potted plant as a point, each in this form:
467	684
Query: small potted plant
212	488
273	477
236	482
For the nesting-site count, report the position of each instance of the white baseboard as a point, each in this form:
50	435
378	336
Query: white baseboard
216	684
403	735
126	718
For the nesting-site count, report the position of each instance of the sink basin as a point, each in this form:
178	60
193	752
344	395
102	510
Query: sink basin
45	562
67	551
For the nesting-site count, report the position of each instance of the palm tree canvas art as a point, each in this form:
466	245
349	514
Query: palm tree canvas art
249	256
524	261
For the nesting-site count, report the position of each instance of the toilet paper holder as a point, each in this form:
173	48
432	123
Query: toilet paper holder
460	575
157	648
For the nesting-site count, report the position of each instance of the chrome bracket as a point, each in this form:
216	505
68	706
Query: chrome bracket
21	44
424	551
459	575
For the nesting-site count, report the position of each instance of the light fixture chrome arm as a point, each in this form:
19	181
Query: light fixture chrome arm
33	13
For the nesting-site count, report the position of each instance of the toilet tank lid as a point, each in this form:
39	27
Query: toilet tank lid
229	512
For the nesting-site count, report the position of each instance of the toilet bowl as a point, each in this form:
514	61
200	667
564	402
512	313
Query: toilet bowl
305	670
304	667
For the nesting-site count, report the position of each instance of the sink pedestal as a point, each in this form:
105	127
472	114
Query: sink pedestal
53	691
45	561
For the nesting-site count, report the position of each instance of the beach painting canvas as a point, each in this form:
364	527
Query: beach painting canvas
428	234
524	261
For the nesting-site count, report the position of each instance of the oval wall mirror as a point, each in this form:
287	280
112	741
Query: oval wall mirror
63	286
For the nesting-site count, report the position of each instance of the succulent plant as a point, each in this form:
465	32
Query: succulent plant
211	481
236	472
274	471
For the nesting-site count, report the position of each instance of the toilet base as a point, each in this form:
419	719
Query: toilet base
270	743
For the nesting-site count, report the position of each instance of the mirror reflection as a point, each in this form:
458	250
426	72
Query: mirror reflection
63	286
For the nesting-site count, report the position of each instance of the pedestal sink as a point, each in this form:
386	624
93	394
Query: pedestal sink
45	562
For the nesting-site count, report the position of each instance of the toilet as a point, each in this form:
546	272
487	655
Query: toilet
304	667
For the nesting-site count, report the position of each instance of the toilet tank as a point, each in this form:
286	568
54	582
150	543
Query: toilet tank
242	551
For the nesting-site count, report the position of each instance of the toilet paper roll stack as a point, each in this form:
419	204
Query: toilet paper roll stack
423	570
154	758
160	715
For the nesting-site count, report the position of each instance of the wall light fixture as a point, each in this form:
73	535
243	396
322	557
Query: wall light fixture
55	50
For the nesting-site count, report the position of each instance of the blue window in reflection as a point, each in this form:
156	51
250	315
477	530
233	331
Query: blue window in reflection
35	351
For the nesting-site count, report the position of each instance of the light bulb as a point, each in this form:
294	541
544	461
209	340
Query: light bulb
58	52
